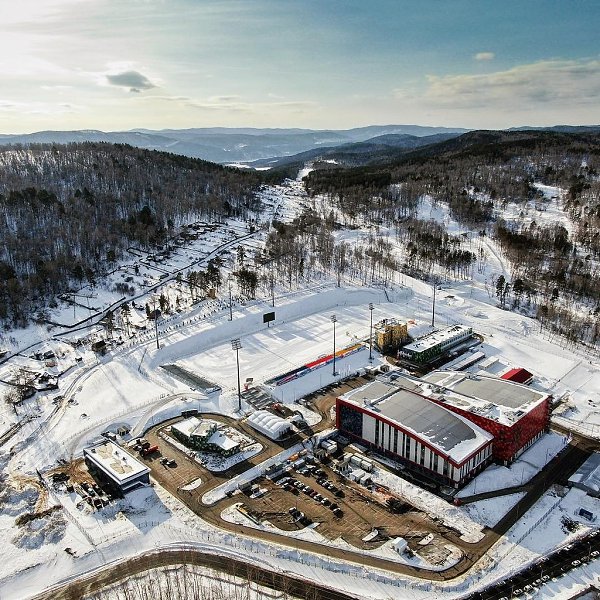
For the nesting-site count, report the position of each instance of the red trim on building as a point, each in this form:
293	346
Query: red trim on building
509	439
412	434
518	376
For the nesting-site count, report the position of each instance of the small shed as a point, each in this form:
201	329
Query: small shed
399	544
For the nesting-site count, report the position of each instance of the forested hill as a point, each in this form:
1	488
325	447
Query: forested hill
496	165
70	211
492	184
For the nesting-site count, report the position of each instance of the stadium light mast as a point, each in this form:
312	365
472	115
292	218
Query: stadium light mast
433	307
334	321
236	345
371	307
156	323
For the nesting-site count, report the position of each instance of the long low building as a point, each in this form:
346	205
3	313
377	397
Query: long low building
429	347
115	468
421	434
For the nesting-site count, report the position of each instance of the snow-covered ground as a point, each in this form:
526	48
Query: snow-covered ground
232	514
497	477
127	386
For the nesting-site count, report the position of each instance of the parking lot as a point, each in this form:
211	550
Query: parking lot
317	497
546	569
342	509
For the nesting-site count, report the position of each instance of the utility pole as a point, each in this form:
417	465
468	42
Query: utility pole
371	307
334	321
156	323
272	291
236	345
230	304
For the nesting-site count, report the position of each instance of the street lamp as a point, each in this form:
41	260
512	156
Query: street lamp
371	307
236	345
334	321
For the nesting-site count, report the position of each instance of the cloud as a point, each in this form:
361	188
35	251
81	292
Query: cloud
550	83
134	80
484	56
235	104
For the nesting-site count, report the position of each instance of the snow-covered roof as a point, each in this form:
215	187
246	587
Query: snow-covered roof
438	337
485	395
587	477
187	427
268	424
195	426
451	434
222	441
114	461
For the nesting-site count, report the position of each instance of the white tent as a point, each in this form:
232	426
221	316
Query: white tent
269	424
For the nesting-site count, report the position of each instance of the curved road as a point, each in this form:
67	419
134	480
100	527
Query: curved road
97	580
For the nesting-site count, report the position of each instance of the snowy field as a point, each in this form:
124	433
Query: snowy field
128	387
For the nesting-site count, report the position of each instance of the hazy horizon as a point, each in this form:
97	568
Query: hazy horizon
149	64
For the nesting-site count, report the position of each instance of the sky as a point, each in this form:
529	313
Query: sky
321	64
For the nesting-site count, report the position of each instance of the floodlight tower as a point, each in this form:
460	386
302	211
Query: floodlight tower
334	321
371	307
433	307
236	345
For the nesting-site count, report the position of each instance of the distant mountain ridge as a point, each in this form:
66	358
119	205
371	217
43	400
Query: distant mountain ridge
378	149
229	145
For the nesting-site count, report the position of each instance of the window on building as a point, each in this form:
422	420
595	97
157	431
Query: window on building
351	420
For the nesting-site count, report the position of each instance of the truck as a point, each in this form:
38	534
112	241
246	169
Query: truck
149	450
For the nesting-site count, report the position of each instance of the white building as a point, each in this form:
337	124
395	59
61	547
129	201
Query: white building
115	468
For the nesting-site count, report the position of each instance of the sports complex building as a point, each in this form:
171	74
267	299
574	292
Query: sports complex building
446	426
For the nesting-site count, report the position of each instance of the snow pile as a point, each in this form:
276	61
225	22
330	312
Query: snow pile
488	512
